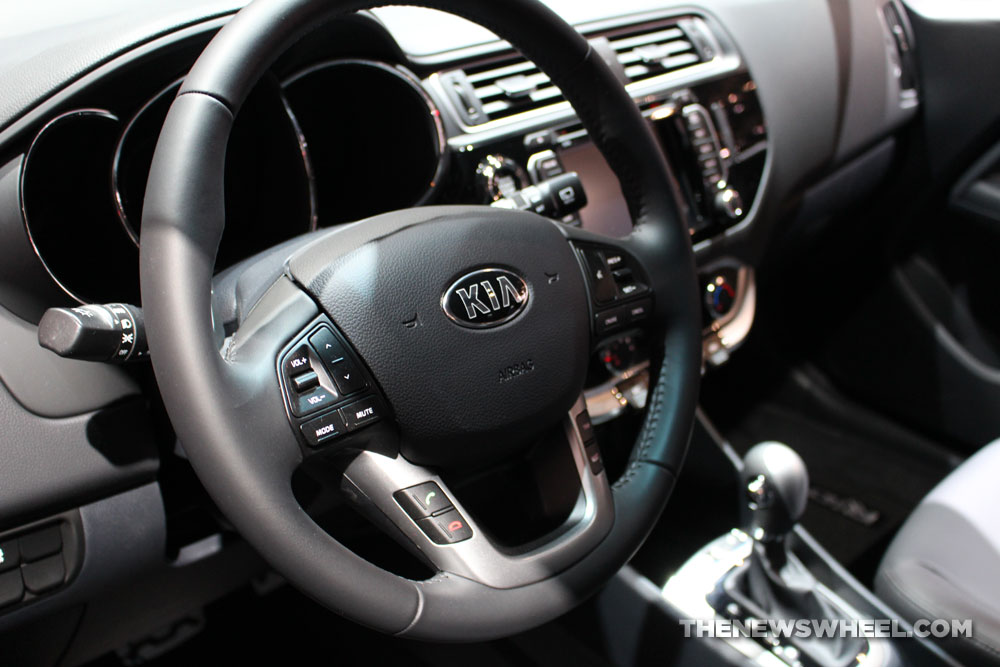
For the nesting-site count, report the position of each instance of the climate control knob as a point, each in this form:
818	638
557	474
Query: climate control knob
720	295
729	203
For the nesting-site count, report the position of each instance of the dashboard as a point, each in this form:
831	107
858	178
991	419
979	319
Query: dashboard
762	108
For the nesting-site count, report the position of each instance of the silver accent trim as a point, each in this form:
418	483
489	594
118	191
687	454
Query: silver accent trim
130	229
408	77
133	234
478	558
562	113
99	113
612	398
722	61
306	162
688	588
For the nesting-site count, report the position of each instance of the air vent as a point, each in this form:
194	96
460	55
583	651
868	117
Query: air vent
513	85
646	53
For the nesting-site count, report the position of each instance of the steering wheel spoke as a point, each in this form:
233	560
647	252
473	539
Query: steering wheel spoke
415	506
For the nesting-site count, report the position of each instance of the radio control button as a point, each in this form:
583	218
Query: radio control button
639	310
305	381
348	377
323	428
361	413
327	346
611	319
314	400
297	362
601	279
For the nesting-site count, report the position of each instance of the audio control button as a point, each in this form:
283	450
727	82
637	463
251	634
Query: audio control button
314	400
348	377
327	346
323	428
361	413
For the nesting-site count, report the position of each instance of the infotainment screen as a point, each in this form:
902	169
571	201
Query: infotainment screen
606	211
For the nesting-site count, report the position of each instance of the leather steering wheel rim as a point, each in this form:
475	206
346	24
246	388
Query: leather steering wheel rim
215	398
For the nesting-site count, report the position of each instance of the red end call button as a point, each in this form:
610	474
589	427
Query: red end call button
447	528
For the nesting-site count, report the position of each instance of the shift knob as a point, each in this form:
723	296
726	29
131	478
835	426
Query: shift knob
775	490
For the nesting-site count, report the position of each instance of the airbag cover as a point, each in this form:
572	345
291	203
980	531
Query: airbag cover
460	394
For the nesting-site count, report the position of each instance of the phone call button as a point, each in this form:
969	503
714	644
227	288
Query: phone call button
423	500
446	528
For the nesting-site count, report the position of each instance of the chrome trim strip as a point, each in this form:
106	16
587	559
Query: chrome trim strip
115	190
411	79
99	113
478	558
647	90
306	162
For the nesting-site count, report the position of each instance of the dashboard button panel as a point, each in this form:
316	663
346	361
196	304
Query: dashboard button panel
325	387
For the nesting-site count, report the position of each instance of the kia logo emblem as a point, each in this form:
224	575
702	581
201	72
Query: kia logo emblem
485	298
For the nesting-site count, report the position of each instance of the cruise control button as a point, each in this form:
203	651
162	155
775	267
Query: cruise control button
312	401
11	588
327	347
324	428
447	528
10	554
44	575
348	377
361	413
422	500
41	543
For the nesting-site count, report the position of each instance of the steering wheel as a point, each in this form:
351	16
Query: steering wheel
417	341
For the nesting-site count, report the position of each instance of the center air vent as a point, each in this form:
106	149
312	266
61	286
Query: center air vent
646	54
511	85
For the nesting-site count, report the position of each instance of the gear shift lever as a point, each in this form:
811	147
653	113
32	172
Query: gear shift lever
776	484
774	583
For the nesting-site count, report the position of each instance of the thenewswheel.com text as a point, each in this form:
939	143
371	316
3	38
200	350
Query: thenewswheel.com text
803	628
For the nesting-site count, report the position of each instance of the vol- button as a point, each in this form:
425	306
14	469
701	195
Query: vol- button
312	401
